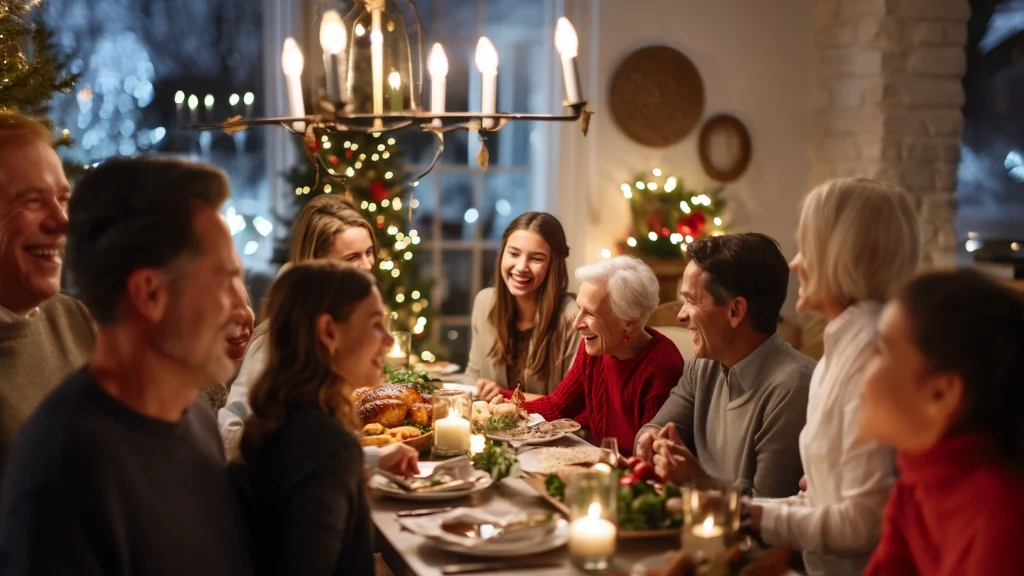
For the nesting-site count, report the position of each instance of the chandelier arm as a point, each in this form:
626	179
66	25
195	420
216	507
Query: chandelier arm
460	120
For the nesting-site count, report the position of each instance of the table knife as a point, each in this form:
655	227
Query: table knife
422	512
498	566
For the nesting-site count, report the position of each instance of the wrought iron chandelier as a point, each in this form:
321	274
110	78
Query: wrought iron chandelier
373	60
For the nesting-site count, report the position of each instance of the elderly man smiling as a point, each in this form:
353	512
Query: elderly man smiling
628	369
44	335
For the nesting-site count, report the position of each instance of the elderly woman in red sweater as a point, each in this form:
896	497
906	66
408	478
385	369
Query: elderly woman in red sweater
945	388
628	369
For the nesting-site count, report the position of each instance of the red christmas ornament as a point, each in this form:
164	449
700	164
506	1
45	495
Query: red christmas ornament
378	191
348	153
692	225
335	160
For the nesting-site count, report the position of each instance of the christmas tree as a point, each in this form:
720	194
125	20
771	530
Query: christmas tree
32	70
667	216
367	169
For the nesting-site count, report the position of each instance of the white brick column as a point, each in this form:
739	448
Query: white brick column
888	100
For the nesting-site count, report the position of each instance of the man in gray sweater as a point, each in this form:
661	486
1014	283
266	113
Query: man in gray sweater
735	417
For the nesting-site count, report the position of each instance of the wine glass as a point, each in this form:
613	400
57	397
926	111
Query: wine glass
610	446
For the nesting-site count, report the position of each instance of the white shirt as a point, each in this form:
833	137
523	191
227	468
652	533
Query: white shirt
837	522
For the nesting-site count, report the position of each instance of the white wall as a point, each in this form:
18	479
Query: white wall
755	58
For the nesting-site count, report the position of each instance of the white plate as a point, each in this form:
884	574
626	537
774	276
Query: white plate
556	539
529	441
384	487
445	371
547	460
471	388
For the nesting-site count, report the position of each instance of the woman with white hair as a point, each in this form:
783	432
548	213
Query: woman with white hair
628	369
858	243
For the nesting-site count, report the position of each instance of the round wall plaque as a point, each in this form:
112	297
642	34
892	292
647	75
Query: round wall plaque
657	96
724	148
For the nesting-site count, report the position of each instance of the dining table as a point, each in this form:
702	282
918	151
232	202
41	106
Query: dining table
408	554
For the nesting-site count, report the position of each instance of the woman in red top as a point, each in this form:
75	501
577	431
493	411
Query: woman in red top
628	369
946	387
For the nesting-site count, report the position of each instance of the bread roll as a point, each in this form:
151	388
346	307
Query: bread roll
506	409
376	440
481	409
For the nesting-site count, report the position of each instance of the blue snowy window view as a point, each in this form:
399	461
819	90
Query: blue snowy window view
150	67
990	190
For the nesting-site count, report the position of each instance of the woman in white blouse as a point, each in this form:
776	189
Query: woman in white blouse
858	241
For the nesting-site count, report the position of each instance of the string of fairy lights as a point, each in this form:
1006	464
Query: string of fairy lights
654	199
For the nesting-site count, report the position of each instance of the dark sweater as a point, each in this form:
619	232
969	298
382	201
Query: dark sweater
95	488
956	510
37	354
612	397
307	510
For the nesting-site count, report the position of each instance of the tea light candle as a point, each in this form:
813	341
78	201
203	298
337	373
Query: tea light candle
451	434
704	538
592	536
477	442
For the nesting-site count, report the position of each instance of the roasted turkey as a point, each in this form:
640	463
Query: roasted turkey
407	394
420	414
388	412
358	395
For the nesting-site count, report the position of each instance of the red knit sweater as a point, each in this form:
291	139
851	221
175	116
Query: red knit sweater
615	397
955	511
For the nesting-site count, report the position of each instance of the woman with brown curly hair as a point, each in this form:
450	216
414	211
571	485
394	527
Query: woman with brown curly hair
327	336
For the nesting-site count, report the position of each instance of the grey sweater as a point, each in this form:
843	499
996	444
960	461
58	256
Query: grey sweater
744	424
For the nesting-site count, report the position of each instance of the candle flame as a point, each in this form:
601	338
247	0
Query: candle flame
291	58
486	57
438	62
709	524
566	41
395	80
594	511
332	32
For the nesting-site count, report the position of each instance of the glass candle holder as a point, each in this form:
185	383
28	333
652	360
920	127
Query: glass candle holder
711	519
398	356
591	498
451	410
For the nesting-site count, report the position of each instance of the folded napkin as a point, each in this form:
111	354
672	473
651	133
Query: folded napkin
430	527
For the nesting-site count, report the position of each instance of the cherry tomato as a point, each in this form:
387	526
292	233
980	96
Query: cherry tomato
644	472
627	480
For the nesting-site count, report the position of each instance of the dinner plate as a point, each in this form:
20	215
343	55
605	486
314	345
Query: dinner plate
384	487
524	441
548	460
519	547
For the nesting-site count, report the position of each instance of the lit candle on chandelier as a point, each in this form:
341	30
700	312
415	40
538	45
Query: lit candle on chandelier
437	65
487	63
395	97
332	39
568	45
292	64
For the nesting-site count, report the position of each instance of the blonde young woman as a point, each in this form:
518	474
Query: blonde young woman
329	227
858	243
306	505
522	326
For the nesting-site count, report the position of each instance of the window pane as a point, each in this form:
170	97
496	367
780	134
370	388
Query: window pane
490	260
457	19
458	214
457	340
506	196
455	282
526	17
